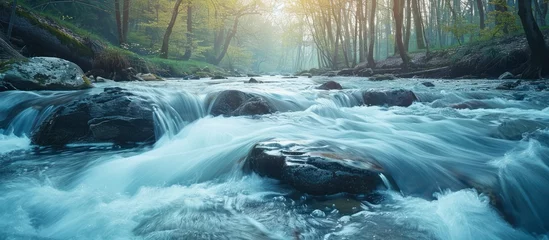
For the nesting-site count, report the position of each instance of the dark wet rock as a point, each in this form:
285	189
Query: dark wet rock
506	76
383	77
127	74
253	80
330	74
473	104
306	75
43	73
428	84
115	116
4	86
236	103
401	98
515	129
508	85
253	75
289	77
218	78
331	85
346	72
364	72
314	168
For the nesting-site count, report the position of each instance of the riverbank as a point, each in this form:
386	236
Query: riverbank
500	58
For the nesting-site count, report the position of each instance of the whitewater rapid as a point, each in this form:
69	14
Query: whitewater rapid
190	185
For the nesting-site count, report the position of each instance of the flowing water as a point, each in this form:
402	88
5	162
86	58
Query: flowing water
189	185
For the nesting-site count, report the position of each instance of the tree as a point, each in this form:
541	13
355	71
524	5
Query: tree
118	22
166	41
539	53
397	13
12	18
188	48
418	24
371	61
480	7
125	20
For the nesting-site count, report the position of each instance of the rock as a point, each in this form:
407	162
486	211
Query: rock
364	72
289	77
314	168
44	73
236	103
508	85
515	129
101	80
402	98
115	116
383	77
472	104
346	72
148	77
428	84
331	85
506	75
4	86
253	80
306	75
330	74
191	77
253	75
127	74
218	78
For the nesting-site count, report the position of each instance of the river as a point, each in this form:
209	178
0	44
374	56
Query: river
189	185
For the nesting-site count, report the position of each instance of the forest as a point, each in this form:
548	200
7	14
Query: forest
274	119
261	36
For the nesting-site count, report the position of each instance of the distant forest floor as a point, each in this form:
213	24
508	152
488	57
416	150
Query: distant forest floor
482	59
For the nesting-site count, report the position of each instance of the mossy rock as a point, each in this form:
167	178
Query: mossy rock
44	73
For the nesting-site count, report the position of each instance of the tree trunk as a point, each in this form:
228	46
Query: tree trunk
408	31
166	42
189	47
539	54
397	13
125	20
227	42
480	7
417	24
118	22
371	61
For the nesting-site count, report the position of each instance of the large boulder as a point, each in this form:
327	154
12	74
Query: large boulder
330	85
516	129
114	116
44	73
314	168
401	98
236	103
346	72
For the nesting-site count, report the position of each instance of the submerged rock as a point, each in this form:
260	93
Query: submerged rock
515	129
44	73
218	78
508	85
314	168
428	84
236	103
401	98
253	80
148	77
331	85
383	77
506	75
115	116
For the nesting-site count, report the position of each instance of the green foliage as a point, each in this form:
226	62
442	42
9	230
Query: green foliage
461	28
502	21
178	68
